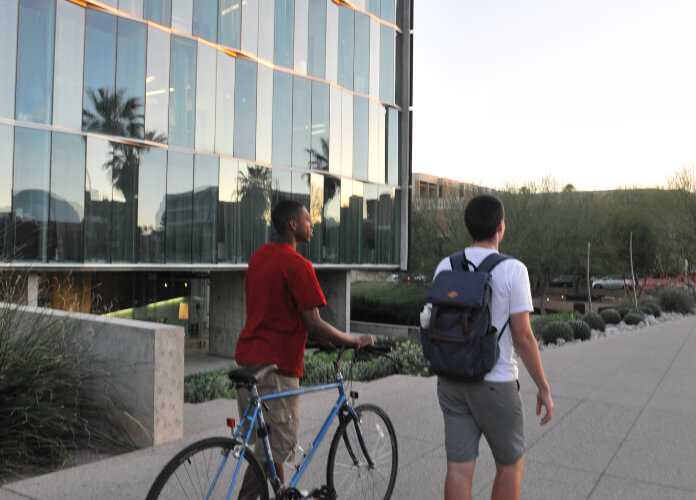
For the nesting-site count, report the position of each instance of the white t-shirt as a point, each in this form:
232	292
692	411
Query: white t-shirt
511	295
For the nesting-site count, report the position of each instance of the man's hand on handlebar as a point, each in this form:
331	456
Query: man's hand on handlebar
363	341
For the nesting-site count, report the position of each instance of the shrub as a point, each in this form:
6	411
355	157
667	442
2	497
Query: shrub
55	394
611	316
595	321
385	302
676	300
581	330
624	309
651	309
555	330
634	318
207	386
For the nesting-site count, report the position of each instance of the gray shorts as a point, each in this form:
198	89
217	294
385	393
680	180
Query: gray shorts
493	409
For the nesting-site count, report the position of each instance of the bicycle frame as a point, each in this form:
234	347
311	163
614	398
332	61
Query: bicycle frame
253	418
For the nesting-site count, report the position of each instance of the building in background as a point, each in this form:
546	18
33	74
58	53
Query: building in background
143	144
432	192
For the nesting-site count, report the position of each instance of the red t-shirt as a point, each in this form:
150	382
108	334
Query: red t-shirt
280	284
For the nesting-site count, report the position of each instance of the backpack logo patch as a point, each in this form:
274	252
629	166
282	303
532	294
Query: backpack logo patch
453	294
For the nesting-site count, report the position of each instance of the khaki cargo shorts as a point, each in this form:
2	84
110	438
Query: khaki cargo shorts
493	409
283	416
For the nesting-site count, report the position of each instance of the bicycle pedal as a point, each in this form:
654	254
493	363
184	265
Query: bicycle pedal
323	493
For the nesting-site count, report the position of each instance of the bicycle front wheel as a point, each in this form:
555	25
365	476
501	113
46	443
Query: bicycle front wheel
204	470
349	472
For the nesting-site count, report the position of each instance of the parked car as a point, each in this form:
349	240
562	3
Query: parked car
564	281
612	283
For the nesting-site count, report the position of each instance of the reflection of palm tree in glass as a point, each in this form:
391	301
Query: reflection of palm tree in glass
319	160
254	196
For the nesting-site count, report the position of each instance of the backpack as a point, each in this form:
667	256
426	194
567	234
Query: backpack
461	342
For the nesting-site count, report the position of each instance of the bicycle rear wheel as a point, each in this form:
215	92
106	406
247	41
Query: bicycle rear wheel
348	471
204	470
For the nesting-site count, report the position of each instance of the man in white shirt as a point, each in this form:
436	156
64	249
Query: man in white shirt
493	408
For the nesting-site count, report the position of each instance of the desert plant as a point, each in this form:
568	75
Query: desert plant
676	300
202	387
634	318
595	321
581	330
555	330
610	316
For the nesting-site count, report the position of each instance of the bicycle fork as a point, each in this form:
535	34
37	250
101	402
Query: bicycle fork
351	414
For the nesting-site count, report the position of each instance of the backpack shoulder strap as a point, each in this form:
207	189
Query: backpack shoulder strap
490	262
459	262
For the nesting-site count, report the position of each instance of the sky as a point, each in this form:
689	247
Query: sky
600	94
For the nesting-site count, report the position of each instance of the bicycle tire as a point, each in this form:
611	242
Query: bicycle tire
199	489
372	418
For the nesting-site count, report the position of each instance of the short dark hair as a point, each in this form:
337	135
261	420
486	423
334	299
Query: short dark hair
283	212
483	215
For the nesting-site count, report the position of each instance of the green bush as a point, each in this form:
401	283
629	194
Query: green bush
386	302
581	330
650	308
595	321
634	318
676	300
611	316
538	322
203	387
555	330
624	309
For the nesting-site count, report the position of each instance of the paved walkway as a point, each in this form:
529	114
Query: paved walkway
624	429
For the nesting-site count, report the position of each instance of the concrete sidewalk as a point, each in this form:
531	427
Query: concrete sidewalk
624	429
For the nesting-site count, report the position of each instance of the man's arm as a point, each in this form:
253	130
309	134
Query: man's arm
319	328
528	350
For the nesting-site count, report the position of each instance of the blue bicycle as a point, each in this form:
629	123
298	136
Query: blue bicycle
362	461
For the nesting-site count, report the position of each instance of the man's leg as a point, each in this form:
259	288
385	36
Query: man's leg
459	481
508	481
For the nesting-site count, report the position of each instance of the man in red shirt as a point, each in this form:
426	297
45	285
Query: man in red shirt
283	297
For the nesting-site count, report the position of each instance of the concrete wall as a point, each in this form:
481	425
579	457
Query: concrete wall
146	366
336	286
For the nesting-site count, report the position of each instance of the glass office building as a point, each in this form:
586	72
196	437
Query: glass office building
151	138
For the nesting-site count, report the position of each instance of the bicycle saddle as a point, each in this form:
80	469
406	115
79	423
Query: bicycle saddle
251	374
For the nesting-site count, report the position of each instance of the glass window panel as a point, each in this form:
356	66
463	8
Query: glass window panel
228	227
205	19
374	6
362	53
67	197
35	60
224	116
356	217
182	15
374	57
386	228
282	188
388	10
346	47
6	149
282	118
335	136
159	11
100	72
205	198
301	122
396	228
264	114
231	23
319	151
250	26
301	192
152	191
386	62
361	137
316	211
301	34
157	86
392	131
8	56
370	224
332	42
347	134
98	192
133	7
130	78
70	38
284	33
205	97
30	190
377	137
182	97
331	220
316	59
124	160
266	29
255	182
179	204
245	110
